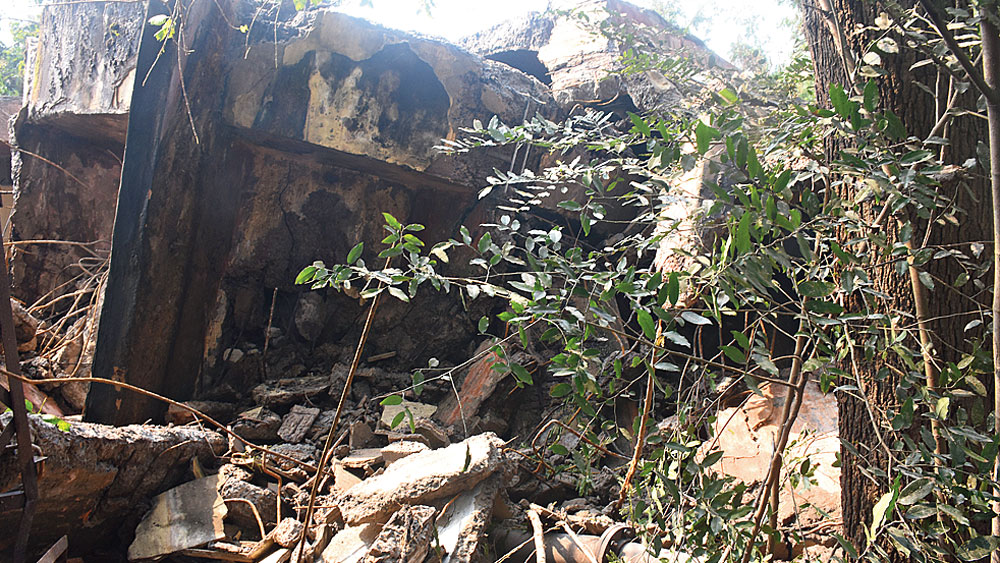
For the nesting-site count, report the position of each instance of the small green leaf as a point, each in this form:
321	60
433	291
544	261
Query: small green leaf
695	318
871	96
484	324
640	124
673	288
704	135
399	294
920	511
895	127
561	390
355	253
306	275
743	233
418	382
741	339
839	100
521	374
159	20
397	419
392	221
484	243
882	508
647	323
915	491
941	408
392	400
734	354
913	157
728	95
558	449
816	289
678	339
978	548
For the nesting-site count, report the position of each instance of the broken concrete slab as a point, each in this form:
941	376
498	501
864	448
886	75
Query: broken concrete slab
343	479
363	459
567	47
99	479
279	555
189	515
361	435
351	544
405	538
421	478
463	522
747	434
435	436
297	423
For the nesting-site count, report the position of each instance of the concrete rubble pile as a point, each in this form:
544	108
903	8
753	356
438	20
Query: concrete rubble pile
162	214
397	502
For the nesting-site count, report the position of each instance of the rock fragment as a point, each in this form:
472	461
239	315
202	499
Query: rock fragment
287	532
258	425
479	383
414	409
405	538
361	435
101	475
363	459
264	500
297	423
284	392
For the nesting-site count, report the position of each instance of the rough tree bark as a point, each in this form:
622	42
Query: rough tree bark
834	31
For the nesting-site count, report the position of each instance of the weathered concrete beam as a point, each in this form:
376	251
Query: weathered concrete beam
288	165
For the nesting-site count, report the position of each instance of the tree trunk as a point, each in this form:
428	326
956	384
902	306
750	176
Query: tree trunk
828	24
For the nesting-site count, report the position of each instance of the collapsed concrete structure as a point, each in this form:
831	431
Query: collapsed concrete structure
244	156
259	153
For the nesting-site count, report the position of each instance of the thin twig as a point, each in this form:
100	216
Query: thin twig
963	59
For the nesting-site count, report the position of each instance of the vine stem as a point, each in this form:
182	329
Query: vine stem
926	349
647	406
328	447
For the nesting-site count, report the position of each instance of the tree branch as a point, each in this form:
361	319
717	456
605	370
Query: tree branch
963	59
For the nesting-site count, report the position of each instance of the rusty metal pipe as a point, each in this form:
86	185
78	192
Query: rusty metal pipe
560	548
